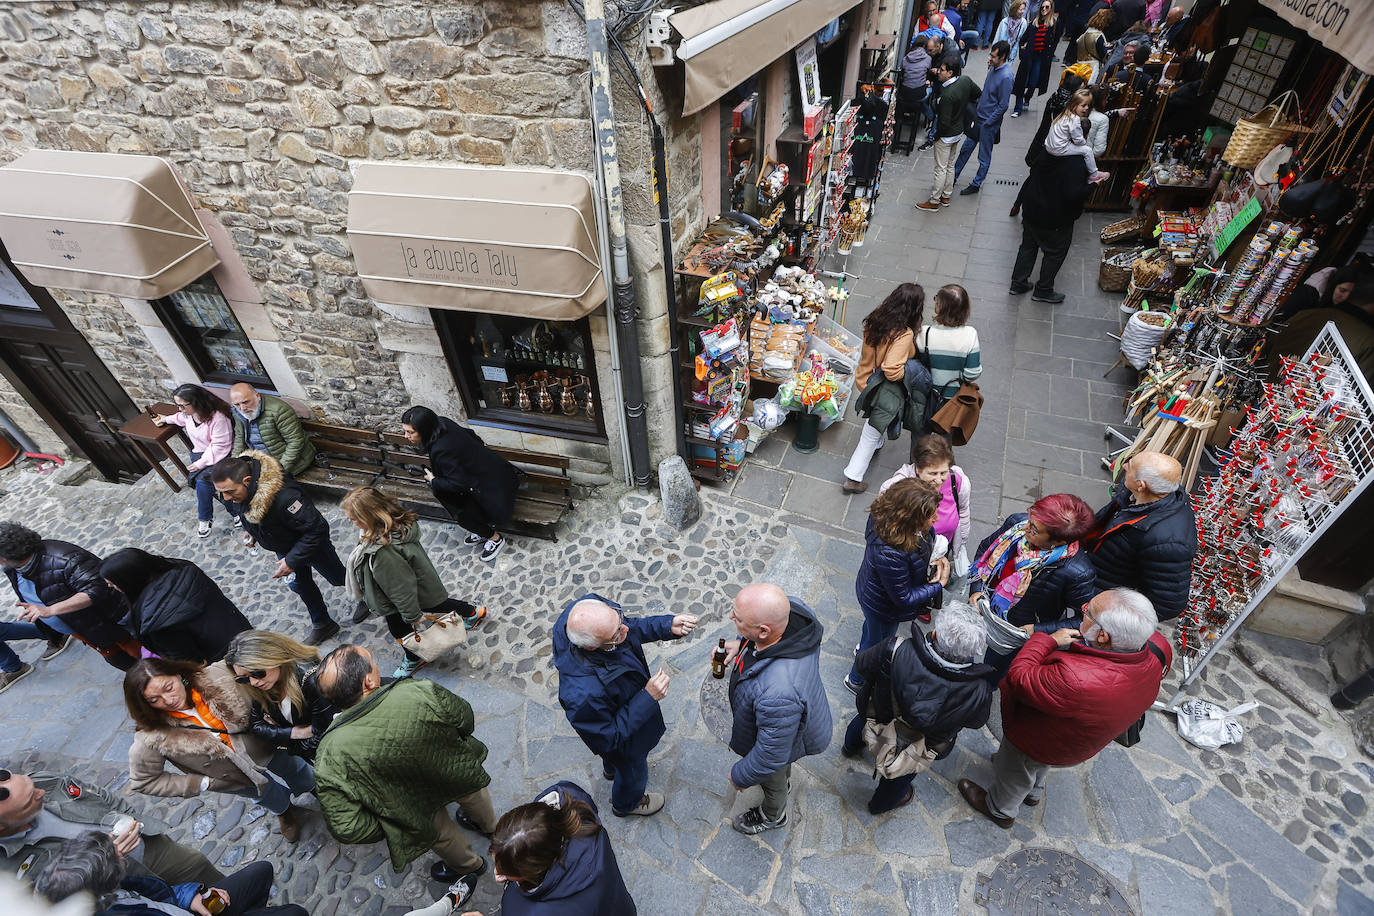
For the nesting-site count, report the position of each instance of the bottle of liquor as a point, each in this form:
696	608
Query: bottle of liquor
211	900
718	660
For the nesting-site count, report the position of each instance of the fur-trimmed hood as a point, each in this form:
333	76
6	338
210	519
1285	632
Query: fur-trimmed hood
267	482
191	749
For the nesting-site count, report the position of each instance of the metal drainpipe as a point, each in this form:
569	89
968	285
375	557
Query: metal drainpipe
622	289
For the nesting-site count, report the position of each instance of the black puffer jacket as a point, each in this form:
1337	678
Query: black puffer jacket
465	468
1056	591
939	701
182	614
1148	548
280	516
60	570
272	726
893	583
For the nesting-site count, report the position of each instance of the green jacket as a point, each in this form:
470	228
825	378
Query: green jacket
75	802
882	401
385	766
398	578
282	433
951	103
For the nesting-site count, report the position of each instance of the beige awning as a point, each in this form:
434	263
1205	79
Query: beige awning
727	41
1345	29
507	241
106	222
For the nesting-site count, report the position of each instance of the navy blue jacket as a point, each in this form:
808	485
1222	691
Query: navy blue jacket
1148	548
584	880
1056	592
779	705
603	692
937	699
892	583
154	888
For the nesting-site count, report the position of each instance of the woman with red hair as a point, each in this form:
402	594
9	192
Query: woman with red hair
1030	571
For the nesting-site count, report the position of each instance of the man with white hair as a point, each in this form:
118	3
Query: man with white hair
1068	695
610	700
780	710
933	684
1148	535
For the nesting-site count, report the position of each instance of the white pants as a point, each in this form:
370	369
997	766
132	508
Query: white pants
870	440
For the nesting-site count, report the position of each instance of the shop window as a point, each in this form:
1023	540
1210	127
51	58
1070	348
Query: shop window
524	373
203	325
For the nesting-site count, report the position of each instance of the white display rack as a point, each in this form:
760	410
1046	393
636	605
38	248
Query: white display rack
1303	455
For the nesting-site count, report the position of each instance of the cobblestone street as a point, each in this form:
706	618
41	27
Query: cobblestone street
1275	825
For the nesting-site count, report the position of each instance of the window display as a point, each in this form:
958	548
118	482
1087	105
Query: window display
524	372
200	319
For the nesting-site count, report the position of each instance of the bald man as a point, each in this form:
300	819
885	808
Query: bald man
780	710
1176	28
1148	535
606	691
268	424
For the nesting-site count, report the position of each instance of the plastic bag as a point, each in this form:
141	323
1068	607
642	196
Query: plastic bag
1208	725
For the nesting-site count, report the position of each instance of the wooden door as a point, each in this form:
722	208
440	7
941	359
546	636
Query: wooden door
51	364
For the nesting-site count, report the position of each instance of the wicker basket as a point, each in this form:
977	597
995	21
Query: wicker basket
1110	277
1132	227
1256	136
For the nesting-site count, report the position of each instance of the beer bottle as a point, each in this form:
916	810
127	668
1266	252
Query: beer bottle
211	900
718	660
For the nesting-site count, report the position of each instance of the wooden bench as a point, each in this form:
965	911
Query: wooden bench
349	457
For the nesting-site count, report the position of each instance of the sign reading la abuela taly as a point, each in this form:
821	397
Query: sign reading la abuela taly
507	241
1347	28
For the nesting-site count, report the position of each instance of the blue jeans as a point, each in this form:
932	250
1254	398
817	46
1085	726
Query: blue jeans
631	778
987	25
889	791
294	777
987	135
14	629
205	492
929	110
327	564
876	629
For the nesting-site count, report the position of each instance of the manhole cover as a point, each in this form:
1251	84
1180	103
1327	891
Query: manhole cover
715	706
1042	881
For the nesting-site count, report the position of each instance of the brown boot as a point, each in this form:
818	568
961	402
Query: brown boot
977	797
290	823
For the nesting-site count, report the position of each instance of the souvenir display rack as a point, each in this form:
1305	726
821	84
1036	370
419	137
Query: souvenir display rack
1129	140
1304	454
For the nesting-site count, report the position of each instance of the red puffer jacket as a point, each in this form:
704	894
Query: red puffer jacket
1062	707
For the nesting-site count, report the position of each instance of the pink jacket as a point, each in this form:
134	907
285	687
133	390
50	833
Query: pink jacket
213	439
960	539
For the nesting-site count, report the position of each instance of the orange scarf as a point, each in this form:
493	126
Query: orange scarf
206	716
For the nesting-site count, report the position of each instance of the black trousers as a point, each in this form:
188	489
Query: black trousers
396	624
467	513
248	890
1052	242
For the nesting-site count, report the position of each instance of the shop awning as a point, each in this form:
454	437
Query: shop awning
1347	28
727	41
507	241
106	222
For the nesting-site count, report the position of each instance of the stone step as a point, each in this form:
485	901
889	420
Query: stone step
1304	610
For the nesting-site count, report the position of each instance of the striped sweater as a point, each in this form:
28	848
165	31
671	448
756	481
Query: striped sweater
953	356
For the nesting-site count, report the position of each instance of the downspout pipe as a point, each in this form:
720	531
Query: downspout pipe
624	304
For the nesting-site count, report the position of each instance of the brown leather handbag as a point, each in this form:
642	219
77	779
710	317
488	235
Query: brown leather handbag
958	417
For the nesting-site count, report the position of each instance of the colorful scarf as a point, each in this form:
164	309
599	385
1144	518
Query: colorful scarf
1026	562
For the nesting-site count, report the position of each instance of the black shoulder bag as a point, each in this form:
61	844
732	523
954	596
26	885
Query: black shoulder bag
1131	736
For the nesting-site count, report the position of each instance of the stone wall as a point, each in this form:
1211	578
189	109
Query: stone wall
262	106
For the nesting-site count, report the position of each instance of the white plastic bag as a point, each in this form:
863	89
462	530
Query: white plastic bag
1208	725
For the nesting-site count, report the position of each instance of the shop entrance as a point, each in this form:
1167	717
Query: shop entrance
48	361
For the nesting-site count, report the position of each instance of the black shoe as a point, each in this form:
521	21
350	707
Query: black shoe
441	872
971	189
927	145
56	645
361	612
464	821
851	752
1018	289
607	773
490	549
1051	297
320	632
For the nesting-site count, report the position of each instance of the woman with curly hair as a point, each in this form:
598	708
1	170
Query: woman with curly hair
895	582
889	341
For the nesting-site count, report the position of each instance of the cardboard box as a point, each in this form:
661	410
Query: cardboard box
815	119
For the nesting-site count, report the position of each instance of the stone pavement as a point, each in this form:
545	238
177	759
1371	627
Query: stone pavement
1275	825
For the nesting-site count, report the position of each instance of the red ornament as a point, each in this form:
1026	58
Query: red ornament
73	790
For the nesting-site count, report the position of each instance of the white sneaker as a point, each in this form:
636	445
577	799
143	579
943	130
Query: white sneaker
203	529
458	894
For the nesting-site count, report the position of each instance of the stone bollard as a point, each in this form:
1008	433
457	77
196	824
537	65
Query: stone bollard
681	502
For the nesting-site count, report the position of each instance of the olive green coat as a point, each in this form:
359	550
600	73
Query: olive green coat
398	578
282	433
386	765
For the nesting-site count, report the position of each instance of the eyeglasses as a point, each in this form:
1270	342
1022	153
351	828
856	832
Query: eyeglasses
257	675
4	792
621	634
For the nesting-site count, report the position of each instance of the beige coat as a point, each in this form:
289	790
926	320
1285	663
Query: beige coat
891	357
201	753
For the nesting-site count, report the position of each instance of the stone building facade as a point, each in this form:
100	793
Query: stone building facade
262	107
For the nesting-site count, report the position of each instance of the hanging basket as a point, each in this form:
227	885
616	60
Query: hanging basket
1256	136
1123	230
1114	278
